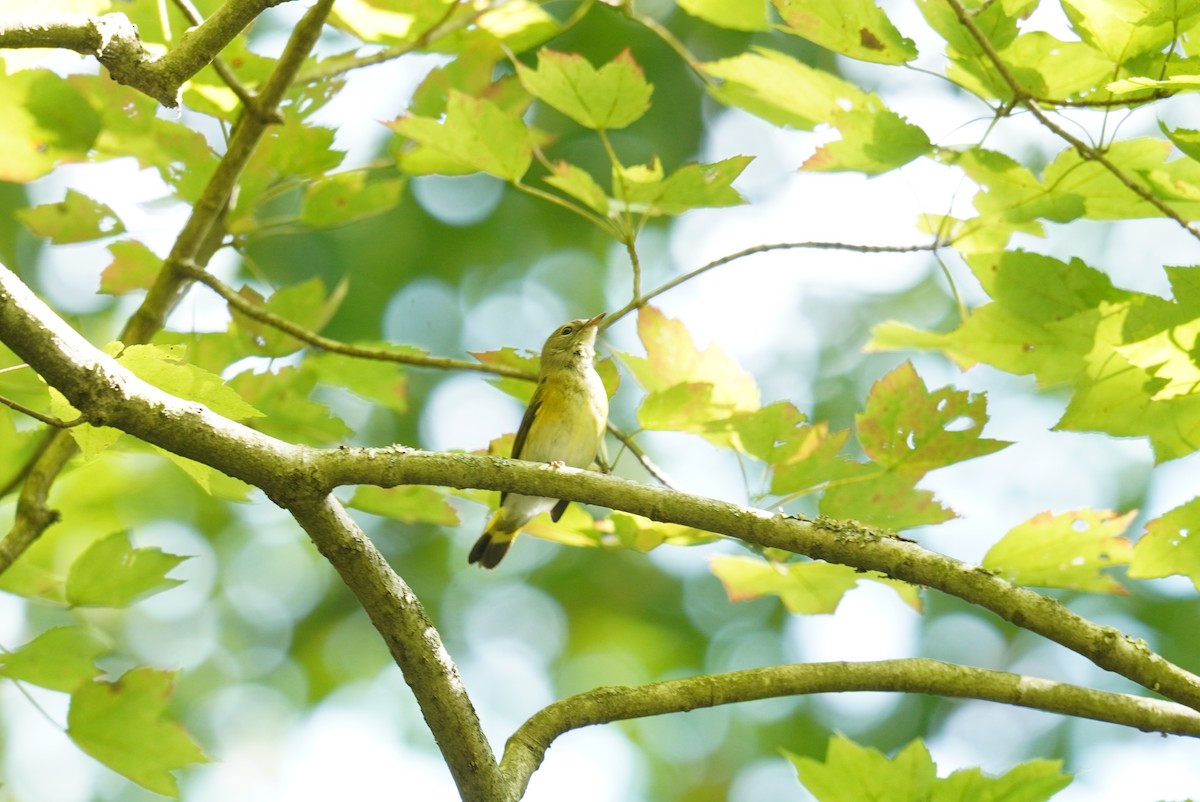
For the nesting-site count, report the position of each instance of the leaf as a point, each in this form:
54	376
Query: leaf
886	500
1186	139
1170	545
290	413
611	97
642	534
781	89
905	427
163	367
643	190
111	573
855	28
388	22
805	588
134	267
682	408
60	659
92	440
476	134
125	725
377	381
47	122
815	461
1122	29
76	218
851	773
736	15
1064	551
408	504
520	389
307	304
346	197
675	371
1044	319
579	184
872	142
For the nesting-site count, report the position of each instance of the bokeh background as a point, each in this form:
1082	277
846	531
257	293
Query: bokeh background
284	680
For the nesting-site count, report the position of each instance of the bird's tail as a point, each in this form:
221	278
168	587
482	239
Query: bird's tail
492	545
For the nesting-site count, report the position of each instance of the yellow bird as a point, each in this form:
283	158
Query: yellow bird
563	424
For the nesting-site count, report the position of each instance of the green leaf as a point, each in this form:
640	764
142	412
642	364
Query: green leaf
886	500
345	197
579	184
1043	322
132	127
781	89
112	573
851	773
672	360
907	428
815	461
806	588
125	725
643	190
47	122
872	142
736	15
685	407
76	218
409	504
307	304
382	383
163	366
290	413
60	659
476	134
134	267
1168	546
855	28
642	534
1064	551
611	97
519	389
1124	29
92	440
1054	68
393	23
1186	139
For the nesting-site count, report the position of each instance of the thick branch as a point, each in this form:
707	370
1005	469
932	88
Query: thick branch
106	393
413	641
114	41
527	747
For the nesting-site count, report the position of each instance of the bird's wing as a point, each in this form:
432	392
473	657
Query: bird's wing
523	431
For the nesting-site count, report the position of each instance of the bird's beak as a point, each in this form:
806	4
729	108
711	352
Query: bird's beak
595	320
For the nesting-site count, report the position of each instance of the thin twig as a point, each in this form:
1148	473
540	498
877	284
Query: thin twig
252	310
779	246
50	420
1086	151
651	468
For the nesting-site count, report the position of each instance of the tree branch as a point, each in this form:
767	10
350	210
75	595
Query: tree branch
1089	153
526	749
106	393
638	302
257	312
114	41
197	242
414	642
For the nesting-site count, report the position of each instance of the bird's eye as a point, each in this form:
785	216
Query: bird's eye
566	330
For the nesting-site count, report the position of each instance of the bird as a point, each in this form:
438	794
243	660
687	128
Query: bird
563	425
